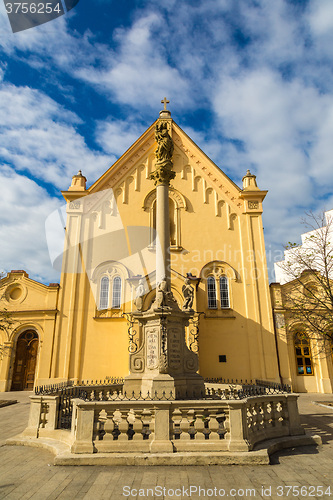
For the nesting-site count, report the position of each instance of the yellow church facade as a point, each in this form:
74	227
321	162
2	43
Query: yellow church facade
79	330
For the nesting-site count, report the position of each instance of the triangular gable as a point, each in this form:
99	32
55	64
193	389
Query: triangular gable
20	293
197	161
122	166
23	277
205	168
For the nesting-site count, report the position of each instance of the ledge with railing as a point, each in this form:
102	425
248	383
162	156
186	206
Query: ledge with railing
98	417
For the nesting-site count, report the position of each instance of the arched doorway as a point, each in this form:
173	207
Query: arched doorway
25	361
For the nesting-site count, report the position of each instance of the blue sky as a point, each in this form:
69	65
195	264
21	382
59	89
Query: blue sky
249	80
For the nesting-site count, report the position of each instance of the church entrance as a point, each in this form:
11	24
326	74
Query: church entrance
25	361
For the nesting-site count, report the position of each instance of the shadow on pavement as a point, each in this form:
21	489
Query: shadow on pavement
301	450
319	423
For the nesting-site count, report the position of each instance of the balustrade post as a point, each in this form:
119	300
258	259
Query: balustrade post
213	425
51	404
295	428
161	442
82	427
199	425
34	416
238	430
185	426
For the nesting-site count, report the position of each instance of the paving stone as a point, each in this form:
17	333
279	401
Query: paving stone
29	474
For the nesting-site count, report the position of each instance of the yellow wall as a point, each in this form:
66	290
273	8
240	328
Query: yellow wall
32	306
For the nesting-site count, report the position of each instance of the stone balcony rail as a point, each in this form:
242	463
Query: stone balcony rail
167	426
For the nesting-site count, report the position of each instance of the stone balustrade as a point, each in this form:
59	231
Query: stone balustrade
271	417
168	426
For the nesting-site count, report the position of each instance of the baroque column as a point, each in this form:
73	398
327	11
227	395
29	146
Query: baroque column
163	363
162	176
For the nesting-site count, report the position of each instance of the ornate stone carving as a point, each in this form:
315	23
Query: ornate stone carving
163	363
152	349
253	205
139	295
165	146
191	364
164	298
174	348
163	154
162	175
137	364
74	205
161	294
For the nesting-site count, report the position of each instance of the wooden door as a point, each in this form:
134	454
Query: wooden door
25	361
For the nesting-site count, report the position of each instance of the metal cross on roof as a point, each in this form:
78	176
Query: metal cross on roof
165	102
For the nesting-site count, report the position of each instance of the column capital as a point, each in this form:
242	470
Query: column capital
163	175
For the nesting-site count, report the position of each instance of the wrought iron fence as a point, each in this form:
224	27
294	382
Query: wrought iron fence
54	389
239	389
111	390
70	390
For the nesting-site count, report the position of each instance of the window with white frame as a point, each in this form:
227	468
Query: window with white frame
211	292
104	293
116	292
224	293
110	288
217	288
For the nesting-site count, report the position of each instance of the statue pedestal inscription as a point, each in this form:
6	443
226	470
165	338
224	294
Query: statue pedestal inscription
163	363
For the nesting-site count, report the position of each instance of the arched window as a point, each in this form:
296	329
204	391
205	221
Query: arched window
104	293
177	203
303	354
116	293
217	277
211	293
224	292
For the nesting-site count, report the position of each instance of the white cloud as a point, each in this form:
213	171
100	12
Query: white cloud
39	135
138	73
116	136
24	207
284	126
321	17
49	44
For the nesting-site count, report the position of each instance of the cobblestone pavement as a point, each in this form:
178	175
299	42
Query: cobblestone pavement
305	472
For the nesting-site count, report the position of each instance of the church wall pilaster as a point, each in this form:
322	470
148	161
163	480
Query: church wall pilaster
70	276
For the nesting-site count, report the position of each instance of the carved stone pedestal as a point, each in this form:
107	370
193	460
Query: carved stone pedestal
164	363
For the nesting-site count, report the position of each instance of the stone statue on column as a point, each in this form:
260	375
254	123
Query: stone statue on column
163	364
139	293
188	293
165	146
